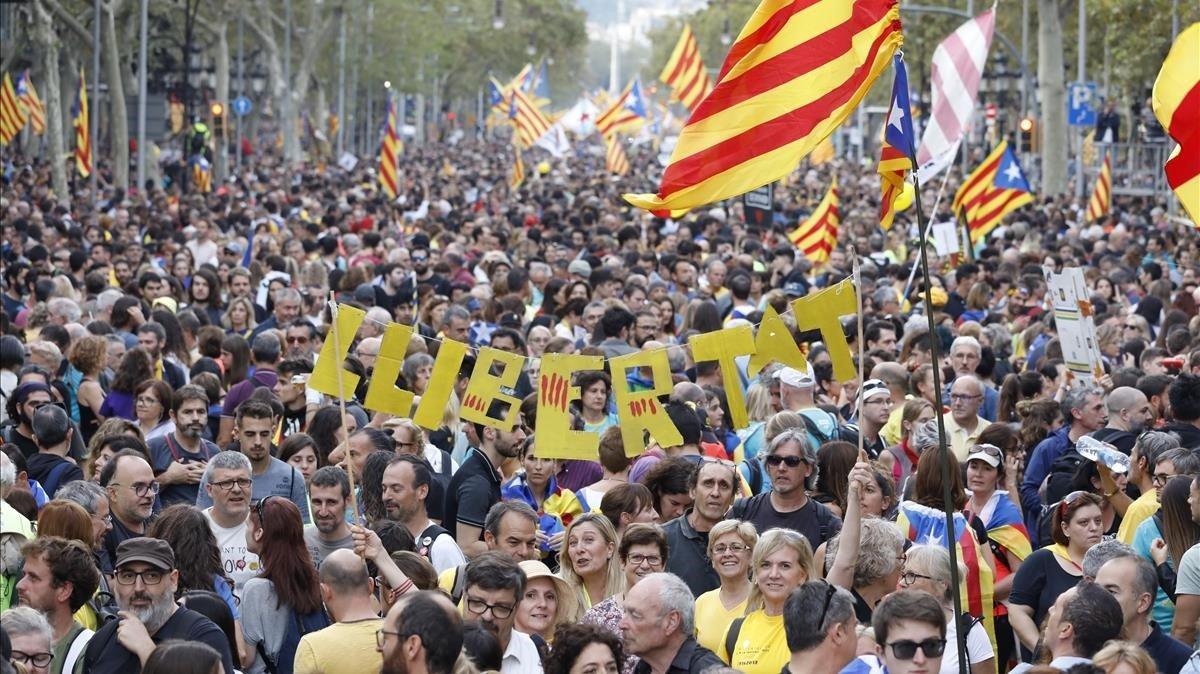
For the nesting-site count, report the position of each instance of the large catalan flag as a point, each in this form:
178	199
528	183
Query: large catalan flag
529	122
615	159
817	235
31	102
685	73
626	113
83	138
927	526
1100	203
991	192
389	153
896	152
1002	519
796	71
12	113
1177	106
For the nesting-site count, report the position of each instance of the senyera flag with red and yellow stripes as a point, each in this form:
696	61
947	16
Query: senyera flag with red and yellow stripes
796	71
685	72
1100	203
816	236
1177	106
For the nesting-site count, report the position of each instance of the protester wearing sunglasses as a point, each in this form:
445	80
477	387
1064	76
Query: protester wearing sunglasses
910	634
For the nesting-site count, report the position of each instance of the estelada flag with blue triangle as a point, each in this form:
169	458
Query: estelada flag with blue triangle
896	154
992	191
924	525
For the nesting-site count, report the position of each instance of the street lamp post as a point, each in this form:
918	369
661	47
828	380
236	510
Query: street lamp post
141	110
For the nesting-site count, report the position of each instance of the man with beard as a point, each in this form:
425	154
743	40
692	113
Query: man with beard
476	486
253	428
425	274
495	584
59	577
645	327
180	457
329	496
422	634
129	483
152	337
228	485
146	580
406	483
711	485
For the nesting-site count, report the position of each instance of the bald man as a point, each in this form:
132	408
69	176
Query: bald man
348	645
1129	413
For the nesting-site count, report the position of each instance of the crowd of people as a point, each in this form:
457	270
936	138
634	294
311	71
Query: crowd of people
177	498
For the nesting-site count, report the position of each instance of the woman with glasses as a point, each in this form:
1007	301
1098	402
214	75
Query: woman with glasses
286	588
987	469
927	568
730	547
589	544
782	561
1077	523
152	404
136	367
643	551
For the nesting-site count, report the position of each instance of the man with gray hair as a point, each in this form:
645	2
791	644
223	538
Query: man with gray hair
228	481
91	497
52	430
659	627
1098	554
287	302
965	423
1084	410
1142	460
818	620
63	310
30	634
965	356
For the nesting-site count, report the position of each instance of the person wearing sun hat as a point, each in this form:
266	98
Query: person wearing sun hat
547	603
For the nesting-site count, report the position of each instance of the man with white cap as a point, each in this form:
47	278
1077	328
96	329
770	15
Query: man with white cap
796	395
874	410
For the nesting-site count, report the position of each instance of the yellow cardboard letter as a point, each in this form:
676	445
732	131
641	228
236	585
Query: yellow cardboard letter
774	343
723	346
432	407
820	311
484	388
556	440
640	411
383	394
325	372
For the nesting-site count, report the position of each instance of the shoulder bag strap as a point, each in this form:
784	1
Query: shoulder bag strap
731	637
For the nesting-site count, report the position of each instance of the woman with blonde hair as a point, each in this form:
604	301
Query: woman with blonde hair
1124	657
239	317
587	559
730	547
756	643
547	603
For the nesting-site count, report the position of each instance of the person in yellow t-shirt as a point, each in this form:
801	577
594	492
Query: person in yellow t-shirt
730	546
1146	450
348	645
782	561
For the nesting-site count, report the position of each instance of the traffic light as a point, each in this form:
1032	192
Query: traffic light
218	118
1028	130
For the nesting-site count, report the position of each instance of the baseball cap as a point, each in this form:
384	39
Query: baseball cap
874	387
581	268
989	454
790	376
152	551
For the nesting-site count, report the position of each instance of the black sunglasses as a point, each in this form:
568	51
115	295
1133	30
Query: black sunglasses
906	649
829	592
789	461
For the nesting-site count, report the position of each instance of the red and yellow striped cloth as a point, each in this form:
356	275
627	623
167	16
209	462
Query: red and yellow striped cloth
12	113
685	73
817	235
1100	203
389	153
83	138
1177	106
32	103
796	71
615	159
529	122
518	170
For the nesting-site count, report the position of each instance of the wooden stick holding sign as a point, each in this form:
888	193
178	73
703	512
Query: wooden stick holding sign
341	385
858	285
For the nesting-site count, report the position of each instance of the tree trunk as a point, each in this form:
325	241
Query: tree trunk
44	35
118	121
318	27
220	29
1053	91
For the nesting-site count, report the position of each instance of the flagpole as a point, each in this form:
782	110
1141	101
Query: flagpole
862	375
947	494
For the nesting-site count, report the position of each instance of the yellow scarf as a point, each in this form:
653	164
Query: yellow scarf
1062	553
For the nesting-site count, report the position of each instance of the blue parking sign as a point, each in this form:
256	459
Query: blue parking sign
1082	100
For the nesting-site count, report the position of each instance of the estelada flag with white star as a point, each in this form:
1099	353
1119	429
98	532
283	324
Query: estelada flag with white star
924	525
992	191
896	154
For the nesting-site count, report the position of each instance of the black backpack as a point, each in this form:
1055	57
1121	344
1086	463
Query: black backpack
1061	475
298	625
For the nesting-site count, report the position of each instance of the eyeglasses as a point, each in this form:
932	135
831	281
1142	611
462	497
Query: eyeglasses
735	548
139	488
297	340
479	607
1160	479
260	504
990	450
227	485
963	398
906	649
829	592
381	636
789	461
149	577
638	560
35	659
910	577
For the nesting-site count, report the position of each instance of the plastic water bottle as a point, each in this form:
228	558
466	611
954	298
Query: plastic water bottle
1102	452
